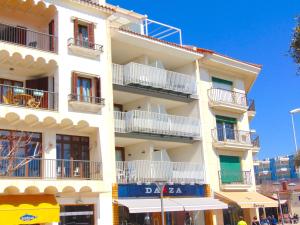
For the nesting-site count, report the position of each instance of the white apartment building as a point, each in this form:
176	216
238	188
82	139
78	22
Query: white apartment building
56	112
181	105
97	114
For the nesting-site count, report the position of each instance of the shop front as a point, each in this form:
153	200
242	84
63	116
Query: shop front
183	204
243	204
77	214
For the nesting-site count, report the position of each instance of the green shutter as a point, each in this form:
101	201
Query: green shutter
230	169
225	119
221	81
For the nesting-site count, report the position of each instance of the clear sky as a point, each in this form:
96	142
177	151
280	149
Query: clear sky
257	31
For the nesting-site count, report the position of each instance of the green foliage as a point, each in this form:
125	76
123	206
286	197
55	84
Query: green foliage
297	159
295	45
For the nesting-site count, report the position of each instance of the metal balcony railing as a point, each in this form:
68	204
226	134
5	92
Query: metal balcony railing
50	169
217	95
153	171
156	123
85	44
235	136
235	177
153	77
23	36
251	105
87	99
26	97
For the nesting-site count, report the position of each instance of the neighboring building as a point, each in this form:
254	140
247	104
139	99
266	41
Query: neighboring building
98	110
275	169
56	134
181	115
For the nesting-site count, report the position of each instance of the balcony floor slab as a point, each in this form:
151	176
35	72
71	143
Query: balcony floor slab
154	92
157	137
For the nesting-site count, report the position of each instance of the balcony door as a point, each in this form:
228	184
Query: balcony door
222	84
84	34
72	153
224	92
230	169
86	88
226	128
42	97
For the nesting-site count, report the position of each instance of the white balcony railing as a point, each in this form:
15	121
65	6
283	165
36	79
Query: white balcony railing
156	123
232	136
148	76
217	95
152	171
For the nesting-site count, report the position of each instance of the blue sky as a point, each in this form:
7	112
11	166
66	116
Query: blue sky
257	31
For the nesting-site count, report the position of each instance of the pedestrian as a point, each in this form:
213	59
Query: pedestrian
291	217
274	220
241	221
264	221
255	221
187	219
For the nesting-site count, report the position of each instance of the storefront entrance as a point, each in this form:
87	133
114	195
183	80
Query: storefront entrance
77	214
232	214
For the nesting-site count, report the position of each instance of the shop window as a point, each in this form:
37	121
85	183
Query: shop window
77	214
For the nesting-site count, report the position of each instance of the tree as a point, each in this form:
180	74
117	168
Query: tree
297	160
17	148
295	44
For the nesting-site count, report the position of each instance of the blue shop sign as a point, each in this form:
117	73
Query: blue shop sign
151	190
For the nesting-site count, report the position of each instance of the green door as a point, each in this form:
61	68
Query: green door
230	169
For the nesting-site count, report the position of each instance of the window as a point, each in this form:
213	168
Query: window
24	145
226	127
230	169
86	89
222	84
84	34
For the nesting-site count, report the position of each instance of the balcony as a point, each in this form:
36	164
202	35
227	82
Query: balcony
264	173
235	180
38	168
84	48
90	104
148	125
153	81
232	101
251	109
29	38
230	139
153	171
29	98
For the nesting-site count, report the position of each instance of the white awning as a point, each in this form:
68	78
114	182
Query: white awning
142	205
139	205
195	204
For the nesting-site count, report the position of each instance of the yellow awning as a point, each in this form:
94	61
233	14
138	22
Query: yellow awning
28	209
247	199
